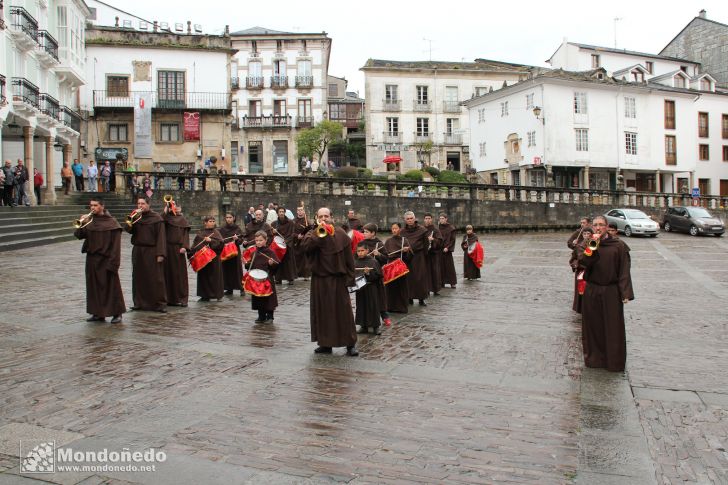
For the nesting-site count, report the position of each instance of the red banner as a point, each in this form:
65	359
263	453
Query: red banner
192	126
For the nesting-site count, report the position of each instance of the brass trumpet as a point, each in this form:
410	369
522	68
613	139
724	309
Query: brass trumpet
593	244
171	206
134	217
321	230
83	221
168	199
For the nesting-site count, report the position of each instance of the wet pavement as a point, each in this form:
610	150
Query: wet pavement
484	385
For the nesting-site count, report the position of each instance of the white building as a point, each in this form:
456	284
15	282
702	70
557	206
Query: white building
414	111
41	69
594	131
281	80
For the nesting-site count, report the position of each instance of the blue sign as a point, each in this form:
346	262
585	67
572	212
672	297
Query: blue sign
696	192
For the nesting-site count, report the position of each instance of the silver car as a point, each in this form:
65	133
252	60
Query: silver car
632	221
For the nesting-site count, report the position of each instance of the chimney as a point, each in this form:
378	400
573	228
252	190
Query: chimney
117	22
189	26
227	30
703	14
156	26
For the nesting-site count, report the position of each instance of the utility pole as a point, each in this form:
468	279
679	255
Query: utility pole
616	19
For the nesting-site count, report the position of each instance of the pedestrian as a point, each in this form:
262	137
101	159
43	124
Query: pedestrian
375	248
332	264
202	177
77	168
306	166
447	268
450	166
315	167
209	278
303	225
2	187
434	254
579	282
576	237
181	178
8	184
271	214
249	216
149	239
158	175
368	299
105	176
102	245
66	174
608	289
177	234
134	187
419	276
92	173
284	228
222	173
21	177
472	260
354	222
232	268
37	184
264	297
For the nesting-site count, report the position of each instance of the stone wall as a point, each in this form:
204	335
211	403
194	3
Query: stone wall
703	41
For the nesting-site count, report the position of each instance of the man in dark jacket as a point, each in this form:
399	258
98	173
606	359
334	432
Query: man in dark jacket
8	184
21	176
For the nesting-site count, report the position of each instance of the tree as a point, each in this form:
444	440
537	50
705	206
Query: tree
423	151
315	141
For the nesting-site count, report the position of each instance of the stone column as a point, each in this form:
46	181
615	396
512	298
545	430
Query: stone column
523	176
50	192
658	181
67	156
586	177
28	155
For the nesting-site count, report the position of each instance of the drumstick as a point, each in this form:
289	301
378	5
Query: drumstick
233	236
376	248
398	251
363	269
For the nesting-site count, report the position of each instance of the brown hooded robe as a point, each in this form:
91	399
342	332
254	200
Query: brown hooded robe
232	269
209	278
287	230
419	275
447	264
148	236
175	264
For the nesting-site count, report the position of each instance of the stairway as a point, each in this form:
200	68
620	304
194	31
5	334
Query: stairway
24	227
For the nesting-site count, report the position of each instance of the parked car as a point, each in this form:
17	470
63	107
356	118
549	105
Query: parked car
632	221
693	220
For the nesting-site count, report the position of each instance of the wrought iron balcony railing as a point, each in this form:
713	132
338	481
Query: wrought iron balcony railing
50	106
453	139
421	105
279	82
392	136
304	121
48	43
164	100
254	82
70	118
234	82
304	81
392	104
270	121
25	91
22	20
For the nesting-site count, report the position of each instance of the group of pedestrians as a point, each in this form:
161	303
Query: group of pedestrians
12	183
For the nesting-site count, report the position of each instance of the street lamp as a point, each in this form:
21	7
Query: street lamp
537	113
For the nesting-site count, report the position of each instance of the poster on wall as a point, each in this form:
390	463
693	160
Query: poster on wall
143	125
192	126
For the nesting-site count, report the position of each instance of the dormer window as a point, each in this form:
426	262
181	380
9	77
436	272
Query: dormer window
638	76
684	69
595	61
679	81
706	85
650	66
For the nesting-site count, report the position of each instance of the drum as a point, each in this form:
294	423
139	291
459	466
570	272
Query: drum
278	246
248	254
258	274
476	253
202	258
255	287
395	269
229	251
359	283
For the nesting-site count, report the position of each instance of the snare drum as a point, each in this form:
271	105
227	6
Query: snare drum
248	253
229	251
395	269
202	258
477	254
359	283
278	246
255	287
258	274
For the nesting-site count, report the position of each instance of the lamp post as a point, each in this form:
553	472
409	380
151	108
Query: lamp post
537	112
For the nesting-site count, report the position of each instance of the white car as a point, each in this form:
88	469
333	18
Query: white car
632	221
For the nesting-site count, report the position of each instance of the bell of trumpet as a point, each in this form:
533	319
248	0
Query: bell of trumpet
593	244
321	230
168	199
83	221
134	217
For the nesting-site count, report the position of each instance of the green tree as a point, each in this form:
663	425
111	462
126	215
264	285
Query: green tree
423	151
315	141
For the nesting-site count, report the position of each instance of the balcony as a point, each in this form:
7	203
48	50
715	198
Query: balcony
47	49
304	121
267	122
50	106
235	82
25	95
279	82
392	104
164	100
421	106
24	28
422	137
304	82
70	119
451	107
3	98
391	137
254	82
453	139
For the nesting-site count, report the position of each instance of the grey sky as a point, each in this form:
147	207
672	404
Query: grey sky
522	31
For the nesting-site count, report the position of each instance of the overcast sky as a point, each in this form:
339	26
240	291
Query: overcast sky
515	31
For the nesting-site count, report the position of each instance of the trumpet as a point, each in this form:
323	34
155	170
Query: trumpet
591	246
321	230
83	221
134	217
172	207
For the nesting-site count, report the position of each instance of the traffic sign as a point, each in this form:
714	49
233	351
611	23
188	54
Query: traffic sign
696	192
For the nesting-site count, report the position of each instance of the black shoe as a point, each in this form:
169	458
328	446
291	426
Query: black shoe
228	292
322	350
436	293
411	302
131	309
363	330
290	283
258	320
279	282
94	318
378	331
162	310
116	319
423	303
183	304
204	299
351	351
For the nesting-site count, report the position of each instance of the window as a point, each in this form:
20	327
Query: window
452	125
724	125
303	68
670	150
679	82
118	132
629	108
481	115
279	46
538	178
422	97
529	101
255	69
481	147
392	126
390	93
171	88
304	109
595	61
504	108
650	66
703	125
279	107
337	111
334	90
169	132
630	142
669	115
638	76
704	152
531	138
254	48
423	127
481	90
280	156
705	84
725	153
582	139
254	108
117	86
279	68
580	103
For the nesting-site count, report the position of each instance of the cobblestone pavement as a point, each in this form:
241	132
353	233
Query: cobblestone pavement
484	385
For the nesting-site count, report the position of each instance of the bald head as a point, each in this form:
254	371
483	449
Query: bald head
324	215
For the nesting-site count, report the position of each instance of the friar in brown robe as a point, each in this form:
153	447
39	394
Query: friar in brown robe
397	291
102	245
577	236
232	268
419	276
447	264
149	238
470	270
177	231
332	267
209	278
608	288
257	224
302	225
285	228
375	248
434	255
264	259
353	222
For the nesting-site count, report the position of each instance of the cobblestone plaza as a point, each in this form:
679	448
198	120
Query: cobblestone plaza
484	385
